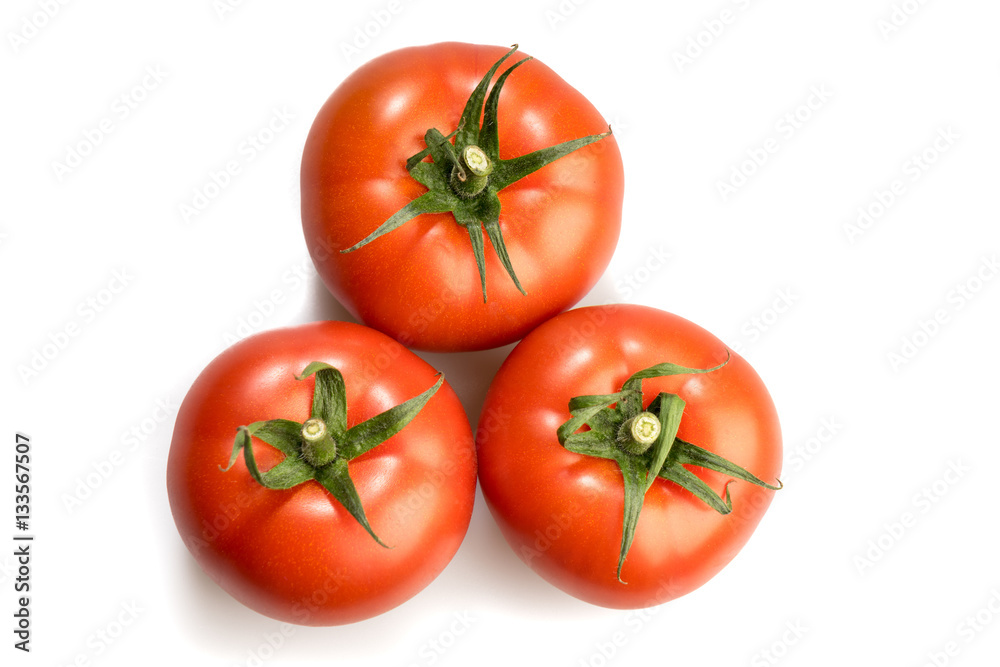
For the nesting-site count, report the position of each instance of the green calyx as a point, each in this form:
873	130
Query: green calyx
464	177
320	447
644	444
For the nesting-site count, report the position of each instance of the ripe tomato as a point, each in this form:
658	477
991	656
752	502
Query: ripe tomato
566	513
308	554
433	283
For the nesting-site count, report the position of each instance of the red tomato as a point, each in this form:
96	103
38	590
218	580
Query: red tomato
562	512
297	554
420	283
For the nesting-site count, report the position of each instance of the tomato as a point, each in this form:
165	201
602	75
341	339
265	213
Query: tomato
361	530
564	507
552	232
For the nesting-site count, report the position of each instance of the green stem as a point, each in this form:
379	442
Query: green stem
464	177
470	177
639	433
318	446
643	443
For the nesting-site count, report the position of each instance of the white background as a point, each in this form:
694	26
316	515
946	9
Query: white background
877	551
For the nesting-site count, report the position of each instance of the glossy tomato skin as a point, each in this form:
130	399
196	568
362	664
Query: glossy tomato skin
419	283
297	555
561	512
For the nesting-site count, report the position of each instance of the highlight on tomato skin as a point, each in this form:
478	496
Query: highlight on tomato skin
608	521
452	232
321	474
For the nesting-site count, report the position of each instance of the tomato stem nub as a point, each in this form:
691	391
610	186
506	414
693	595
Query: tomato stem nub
470	176
318	448
476	160
639	433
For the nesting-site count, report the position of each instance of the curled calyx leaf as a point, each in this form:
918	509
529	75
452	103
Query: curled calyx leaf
320	447
466	173
644	444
